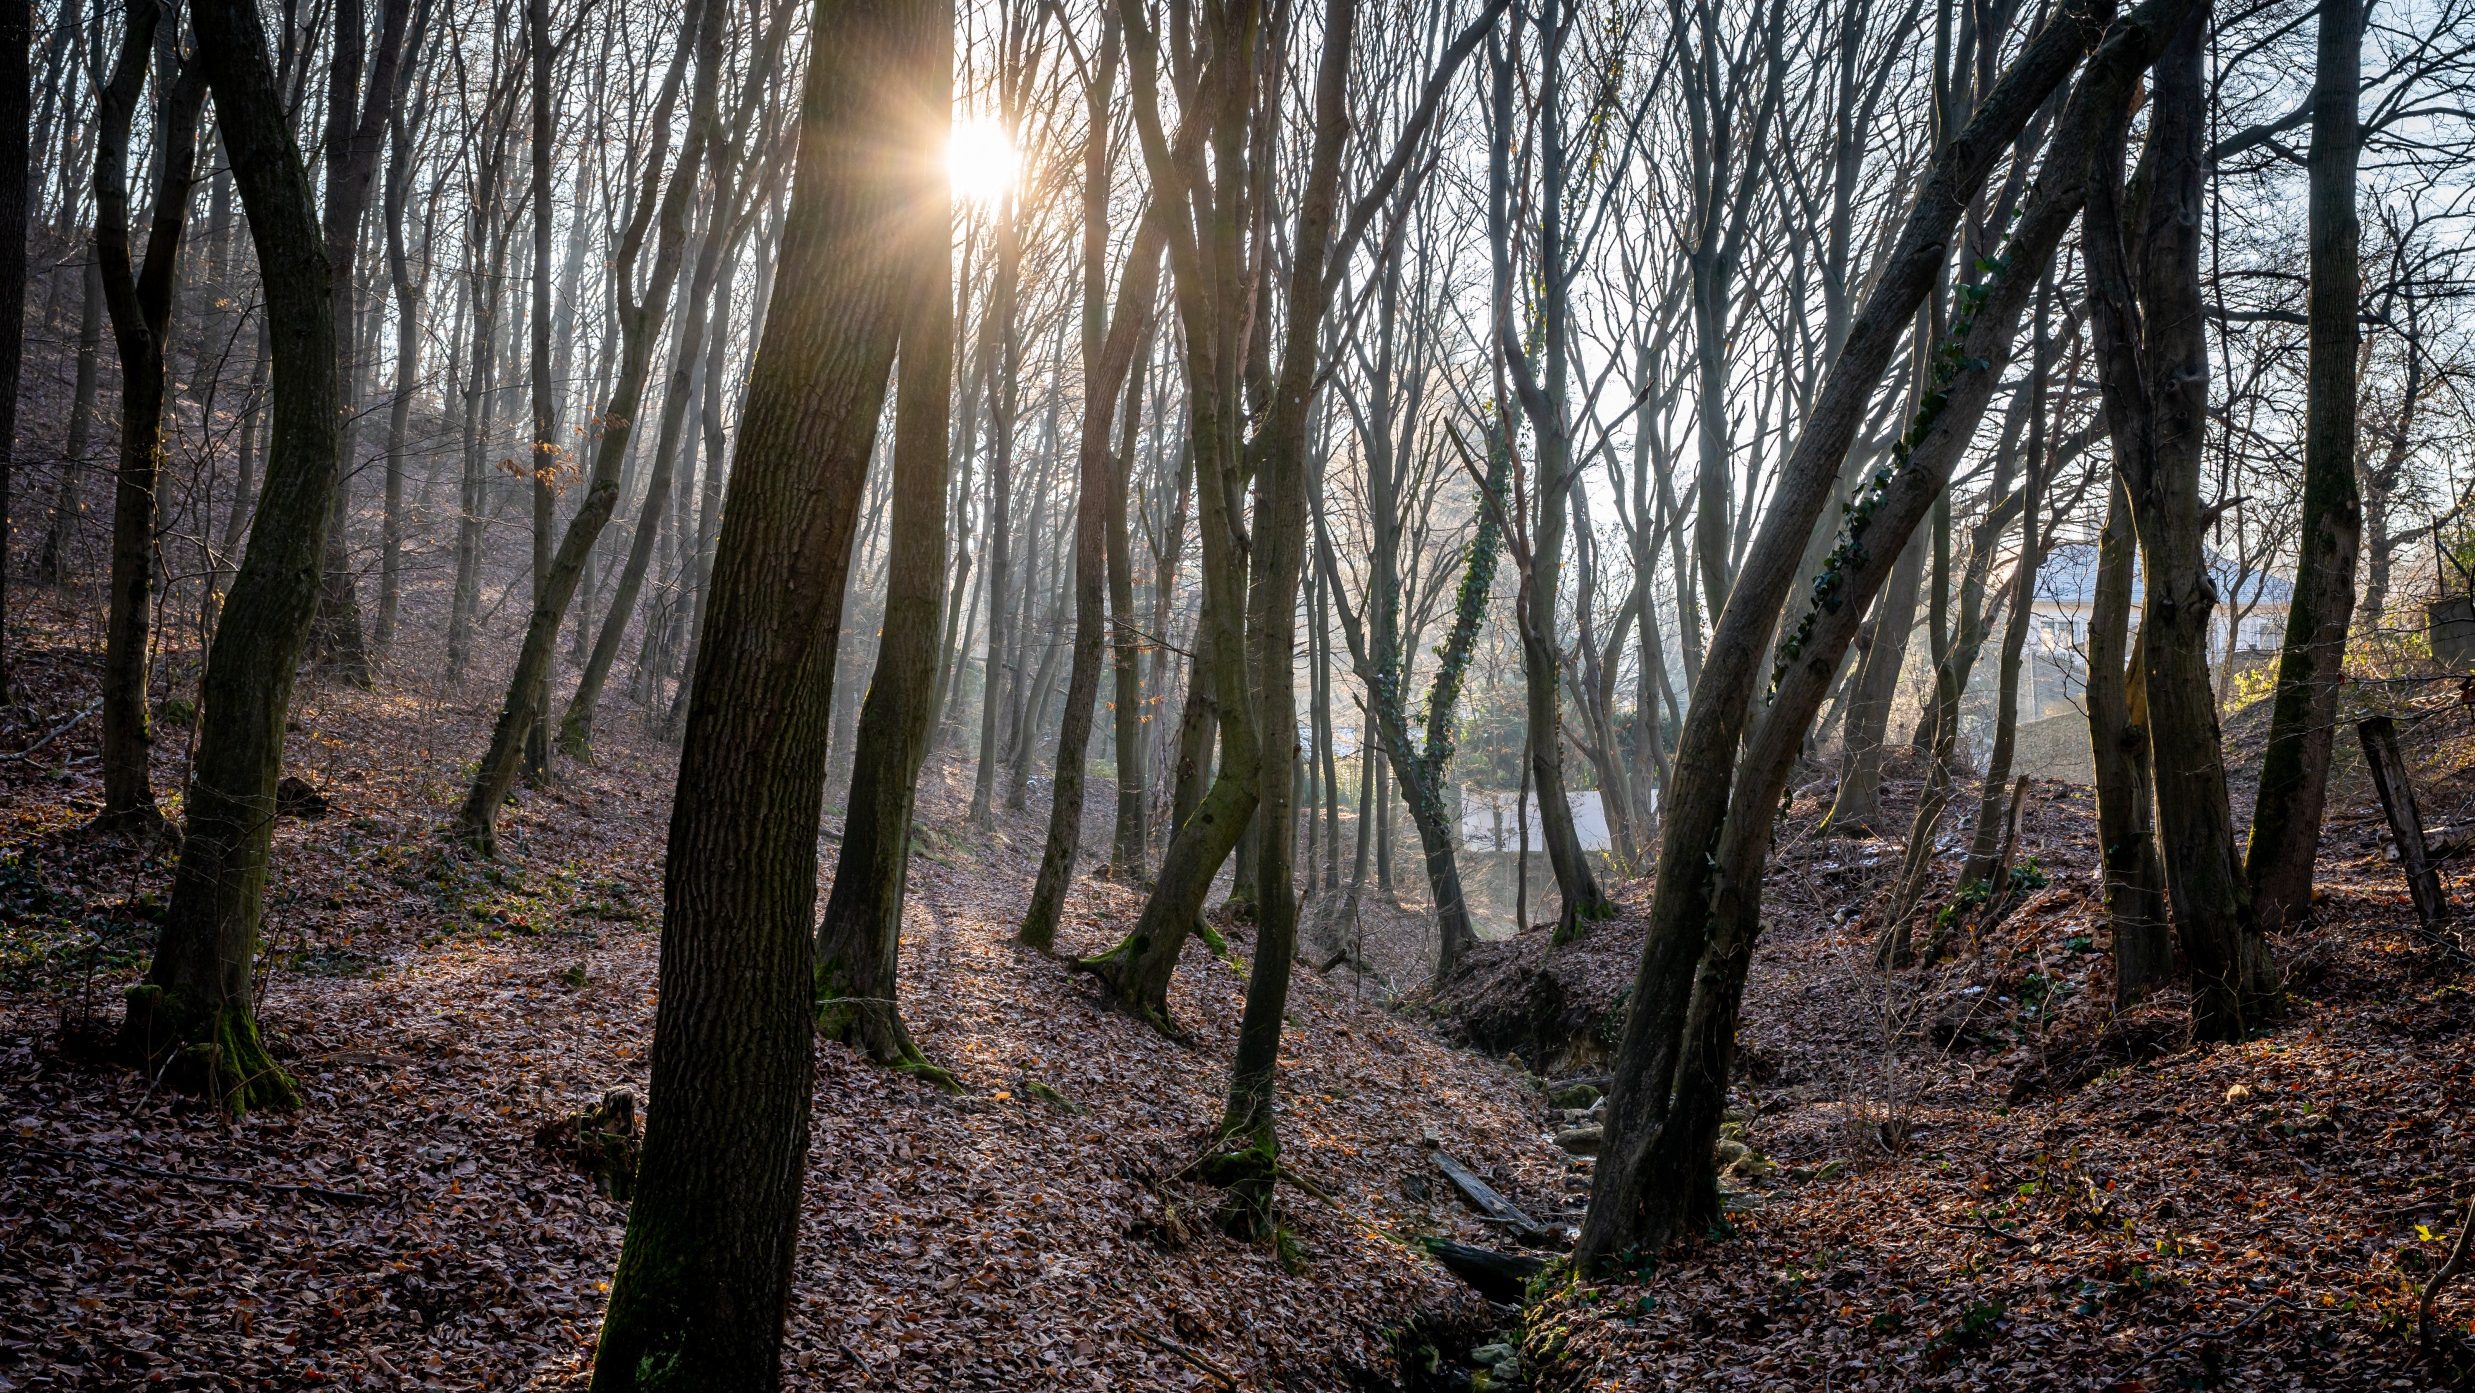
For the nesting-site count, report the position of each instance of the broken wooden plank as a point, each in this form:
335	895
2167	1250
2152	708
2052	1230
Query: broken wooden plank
1483	1197
2397	799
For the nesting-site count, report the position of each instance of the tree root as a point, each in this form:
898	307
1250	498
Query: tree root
213	1050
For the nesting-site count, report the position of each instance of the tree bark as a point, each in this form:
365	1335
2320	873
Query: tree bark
139	295
703	1280
196	1001
2294	767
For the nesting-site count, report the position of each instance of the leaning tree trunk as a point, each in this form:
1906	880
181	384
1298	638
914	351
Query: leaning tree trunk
2294	768
703	1280
195	1006
555	585
859	943
1655	1178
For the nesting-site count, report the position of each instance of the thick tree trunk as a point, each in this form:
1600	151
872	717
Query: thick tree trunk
196	1001
2294	768
703	1280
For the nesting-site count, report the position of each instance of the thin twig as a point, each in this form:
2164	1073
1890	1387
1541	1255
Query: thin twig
1193	1360
27	754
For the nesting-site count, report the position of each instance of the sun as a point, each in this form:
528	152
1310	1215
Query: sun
981	160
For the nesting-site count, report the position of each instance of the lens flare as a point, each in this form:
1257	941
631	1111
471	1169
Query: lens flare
981	160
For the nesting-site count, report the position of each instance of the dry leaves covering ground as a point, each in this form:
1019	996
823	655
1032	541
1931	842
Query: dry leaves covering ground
1981	1180
1967	1176
1032	1233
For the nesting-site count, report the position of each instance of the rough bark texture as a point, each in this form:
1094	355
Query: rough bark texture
196	998
703	1279
2294	768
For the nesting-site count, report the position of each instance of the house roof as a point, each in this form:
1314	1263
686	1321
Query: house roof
2069	577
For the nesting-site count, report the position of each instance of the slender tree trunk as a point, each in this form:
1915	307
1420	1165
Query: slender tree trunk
2135	882
16	100
139	295
1104	385
51	564
703	1281
859	942
555	584
195	1004
2294	768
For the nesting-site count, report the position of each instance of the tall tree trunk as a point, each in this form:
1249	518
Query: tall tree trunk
196	1003
2294	768
1104	385
51	563
703	1280
2135	882
2154	372
1001	367
859	942
1655	1178
521	712
401	128
356	124
139	295
16	98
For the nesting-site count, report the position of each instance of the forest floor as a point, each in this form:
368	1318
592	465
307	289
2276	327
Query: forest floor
1975	1174
1969	1175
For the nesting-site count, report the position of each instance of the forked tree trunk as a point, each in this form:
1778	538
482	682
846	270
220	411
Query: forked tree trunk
1655	1178
195	1003
703	1280
139	295
2294	767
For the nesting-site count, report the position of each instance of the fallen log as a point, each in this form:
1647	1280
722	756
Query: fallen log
1496	1276
1483	1198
